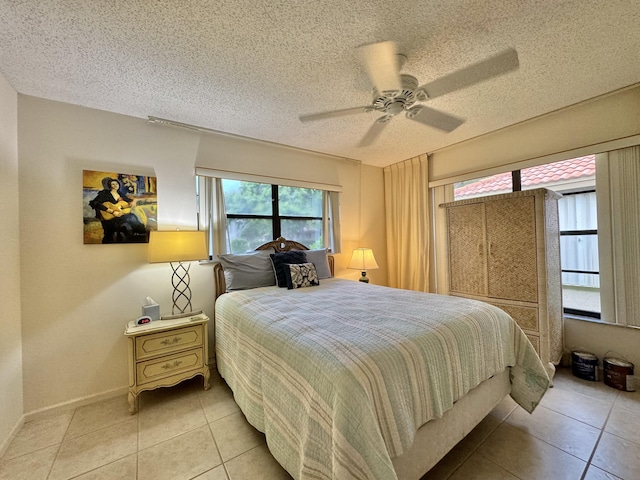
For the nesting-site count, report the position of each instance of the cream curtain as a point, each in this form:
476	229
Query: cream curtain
624	182
408	223
212	215
331	220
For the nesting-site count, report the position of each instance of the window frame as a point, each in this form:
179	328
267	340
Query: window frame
275	217
576	311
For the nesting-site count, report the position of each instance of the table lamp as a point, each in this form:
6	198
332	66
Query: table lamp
362	259
176	247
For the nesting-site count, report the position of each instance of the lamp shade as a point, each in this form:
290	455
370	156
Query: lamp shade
177	246
363	259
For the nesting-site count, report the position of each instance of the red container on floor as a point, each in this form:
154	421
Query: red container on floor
618	374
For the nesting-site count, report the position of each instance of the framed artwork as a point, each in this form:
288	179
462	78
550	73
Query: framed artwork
118	207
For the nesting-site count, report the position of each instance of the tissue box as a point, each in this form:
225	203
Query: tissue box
152	311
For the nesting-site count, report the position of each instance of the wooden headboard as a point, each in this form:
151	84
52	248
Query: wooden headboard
279	245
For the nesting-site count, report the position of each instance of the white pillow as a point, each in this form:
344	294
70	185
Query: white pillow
319	259
248	270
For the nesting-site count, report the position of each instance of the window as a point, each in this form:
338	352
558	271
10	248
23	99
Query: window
575	180
257	213
579	253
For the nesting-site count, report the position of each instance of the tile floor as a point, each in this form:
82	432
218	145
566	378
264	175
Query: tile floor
582	430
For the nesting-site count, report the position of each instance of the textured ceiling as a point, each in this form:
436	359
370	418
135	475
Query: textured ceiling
252	67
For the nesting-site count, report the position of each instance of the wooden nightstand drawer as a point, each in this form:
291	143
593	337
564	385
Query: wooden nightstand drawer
157	368
162	343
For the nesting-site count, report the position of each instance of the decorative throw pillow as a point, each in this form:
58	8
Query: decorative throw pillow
250	270
279	260
319	259
301	275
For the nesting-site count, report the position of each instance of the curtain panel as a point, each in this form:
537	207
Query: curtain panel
624	179
212	216
406	190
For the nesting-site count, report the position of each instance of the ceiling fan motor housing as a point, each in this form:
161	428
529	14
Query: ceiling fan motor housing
393	102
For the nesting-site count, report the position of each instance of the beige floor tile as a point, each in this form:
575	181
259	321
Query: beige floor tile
39	434
585	408
480	468
256	464
567	434
594	473
162	420
618	456
529	458
629	400
85	453
218	473
218	402
31	466
463	450
182	457
597	390
234	435
99	415
624	423
123	469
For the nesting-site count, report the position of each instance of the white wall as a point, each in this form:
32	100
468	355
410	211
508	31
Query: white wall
11	400
77	298
588	125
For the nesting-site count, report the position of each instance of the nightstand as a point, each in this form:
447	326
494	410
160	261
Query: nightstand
163	353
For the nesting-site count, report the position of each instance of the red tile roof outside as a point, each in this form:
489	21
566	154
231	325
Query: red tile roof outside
540	175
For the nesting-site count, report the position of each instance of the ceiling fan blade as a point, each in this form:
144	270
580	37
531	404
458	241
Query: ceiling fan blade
381	61
374	131
491	67
434	118
334	113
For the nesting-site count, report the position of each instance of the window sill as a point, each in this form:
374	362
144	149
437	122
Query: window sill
567	316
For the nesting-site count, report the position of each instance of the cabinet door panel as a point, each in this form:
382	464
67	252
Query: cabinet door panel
511	245
467	256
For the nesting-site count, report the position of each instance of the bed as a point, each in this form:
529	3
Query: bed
357	381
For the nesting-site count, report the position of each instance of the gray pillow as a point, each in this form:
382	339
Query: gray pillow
319	259
248	270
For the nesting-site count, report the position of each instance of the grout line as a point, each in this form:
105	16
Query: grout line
595	446
75	410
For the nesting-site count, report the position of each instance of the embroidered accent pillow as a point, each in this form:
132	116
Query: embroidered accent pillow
301	275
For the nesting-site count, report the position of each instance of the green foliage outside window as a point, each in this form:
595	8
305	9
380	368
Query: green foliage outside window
250	214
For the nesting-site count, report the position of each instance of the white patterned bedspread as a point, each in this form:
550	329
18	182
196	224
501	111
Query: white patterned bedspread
340	376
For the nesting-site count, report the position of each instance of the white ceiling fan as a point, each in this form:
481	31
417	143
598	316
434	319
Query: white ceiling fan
395	93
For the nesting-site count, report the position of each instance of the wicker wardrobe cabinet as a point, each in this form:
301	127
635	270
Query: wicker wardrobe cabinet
505	250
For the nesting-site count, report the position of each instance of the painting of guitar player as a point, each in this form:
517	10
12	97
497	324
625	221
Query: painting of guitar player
118	207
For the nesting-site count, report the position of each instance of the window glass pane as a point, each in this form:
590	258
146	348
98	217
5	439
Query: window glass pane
581	298
247	198
248	233
579	252
299	202
307	232
481	187
578	211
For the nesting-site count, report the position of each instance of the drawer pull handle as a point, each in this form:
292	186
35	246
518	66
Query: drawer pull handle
176	364
173	341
